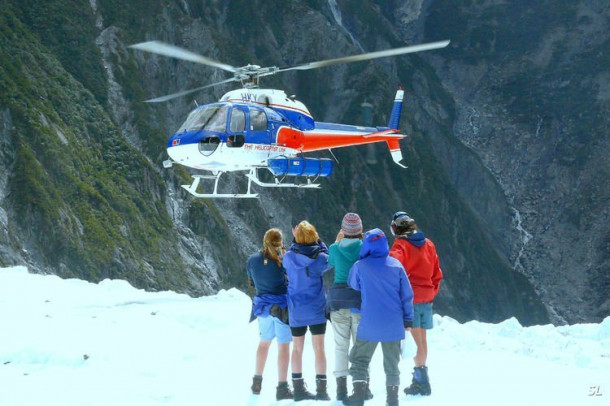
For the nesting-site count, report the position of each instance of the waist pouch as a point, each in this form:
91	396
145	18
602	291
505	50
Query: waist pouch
280	313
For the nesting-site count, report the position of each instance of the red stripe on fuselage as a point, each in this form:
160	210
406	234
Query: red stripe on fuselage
309	141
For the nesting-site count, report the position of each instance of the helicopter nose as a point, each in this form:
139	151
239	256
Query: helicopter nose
174	141
174	145
178	153
171	150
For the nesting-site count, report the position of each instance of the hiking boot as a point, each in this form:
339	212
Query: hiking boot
392	395
257	382
283	391
418	388
342	388
368	395
420	385
321	393
356	398
300	390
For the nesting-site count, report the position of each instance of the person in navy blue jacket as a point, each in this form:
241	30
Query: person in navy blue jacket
270	306
387	311
305	262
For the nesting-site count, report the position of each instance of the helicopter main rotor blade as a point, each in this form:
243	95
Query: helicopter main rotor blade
370	55
185	92
162	48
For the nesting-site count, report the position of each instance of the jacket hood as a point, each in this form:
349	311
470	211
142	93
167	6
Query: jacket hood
375	244
418	239
309	252
349	249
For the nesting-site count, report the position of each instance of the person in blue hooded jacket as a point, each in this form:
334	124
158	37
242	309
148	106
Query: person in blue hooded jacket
305	263
387	311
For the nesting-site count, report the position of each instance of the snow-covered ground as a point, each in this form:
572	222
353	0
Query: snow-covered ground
70	342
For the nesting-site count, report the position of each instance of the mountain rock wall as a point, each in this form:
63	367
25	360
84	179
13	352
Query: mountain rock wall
530	84
486	164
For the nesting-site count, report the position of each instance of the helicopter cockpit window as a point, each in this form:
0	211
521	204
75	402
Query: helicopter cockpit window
210	118
258	120
238	121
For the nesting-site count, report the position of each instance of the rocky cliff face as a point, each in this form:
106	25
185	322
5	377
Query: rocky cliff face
108	208
531	83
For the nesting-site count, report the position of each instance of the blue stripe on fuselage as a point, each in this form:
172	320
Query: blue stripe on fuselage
275	119
297	119
251	137
193	137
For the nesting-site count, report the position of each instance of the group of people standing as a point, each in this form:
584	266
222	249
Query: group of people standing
377	294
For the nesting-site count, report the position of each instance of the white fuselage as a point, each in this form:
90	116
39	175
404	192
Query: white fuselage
226	159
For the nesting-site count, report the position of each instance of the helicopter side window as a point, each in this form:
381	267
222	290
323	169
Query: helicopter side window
238	121
236	141
258	120
208	145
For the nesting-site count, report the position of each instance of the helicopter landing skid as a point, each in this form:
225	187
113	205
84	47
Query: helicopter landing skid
192	188
252	176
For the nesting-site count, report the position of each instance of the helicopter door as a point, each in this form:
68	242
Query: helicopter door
258	128
237	128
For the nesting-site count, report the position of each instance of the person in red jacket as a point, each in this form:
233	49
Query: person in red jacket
417	255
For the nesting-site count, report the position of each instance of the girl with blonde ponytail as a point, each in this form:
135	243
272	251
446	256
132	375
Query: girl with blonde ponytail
273	247
270	306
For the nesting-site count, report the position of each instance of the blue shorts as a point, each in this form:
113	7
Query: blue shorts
271	327
422	315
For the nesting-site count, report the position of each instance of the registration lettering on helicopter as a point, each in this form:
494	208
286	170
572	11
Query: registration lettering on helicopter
260	147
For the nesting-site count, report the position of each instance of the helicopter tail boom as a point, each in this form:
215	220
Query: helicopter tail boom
319	140
329	135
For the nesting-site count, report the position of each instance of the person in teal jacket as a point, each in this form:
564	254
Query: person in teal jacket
343	302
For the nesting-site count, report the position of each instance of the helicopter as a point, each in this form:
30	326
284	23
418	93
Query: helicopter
252	129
